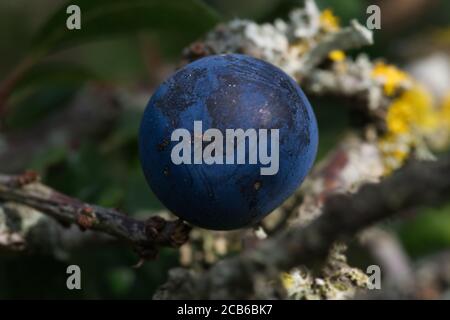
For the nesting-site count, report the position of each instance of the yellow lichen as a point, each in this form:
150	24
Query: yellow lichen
444	112
395	150
440	140
328	21
411	119
390	76
287	280
413	110
336	55
441	36
299	48
336	280
398	117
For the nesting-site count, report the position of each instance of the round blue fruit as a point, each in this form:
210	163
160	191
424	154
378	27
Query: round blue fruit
227	93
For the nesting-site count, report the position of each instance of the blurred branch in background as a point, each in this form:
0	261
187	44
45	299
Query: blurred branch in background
416	184
430	279
390	255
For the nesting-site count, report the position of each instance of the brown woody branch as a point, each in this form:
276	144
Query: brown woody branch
145	236
416	184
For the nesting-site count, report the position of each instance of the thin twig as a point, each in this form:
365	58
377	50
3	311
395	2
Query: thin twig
145	236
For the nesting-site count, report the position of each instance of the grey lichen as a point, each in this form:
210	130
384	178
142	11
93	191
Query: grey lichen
296	45
336	280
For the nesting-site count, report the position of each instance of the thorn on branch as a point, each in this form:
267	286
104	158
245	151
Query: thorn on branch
180	233
173	233
163	233
86	218
153	226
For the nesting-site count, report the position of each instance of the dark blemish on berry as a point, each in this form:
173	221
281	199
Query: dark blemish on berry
162	146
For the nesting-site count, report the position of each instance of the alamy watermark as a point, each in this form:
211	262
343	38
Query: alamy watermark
373	272
73	21
374	20
250	145
73	281
374	277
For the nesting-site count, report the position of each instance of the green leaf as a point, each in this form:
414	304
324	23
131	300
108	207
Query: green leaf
427	232
43	89
37	103
125	132
104	18
121	280
56	73
48	157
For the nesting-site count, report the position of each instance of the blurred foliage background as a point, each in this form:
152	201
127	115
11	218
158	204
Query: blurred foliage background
138	50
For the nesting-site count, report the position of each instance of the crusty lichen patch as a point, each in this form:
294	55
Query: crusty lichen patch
336	280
